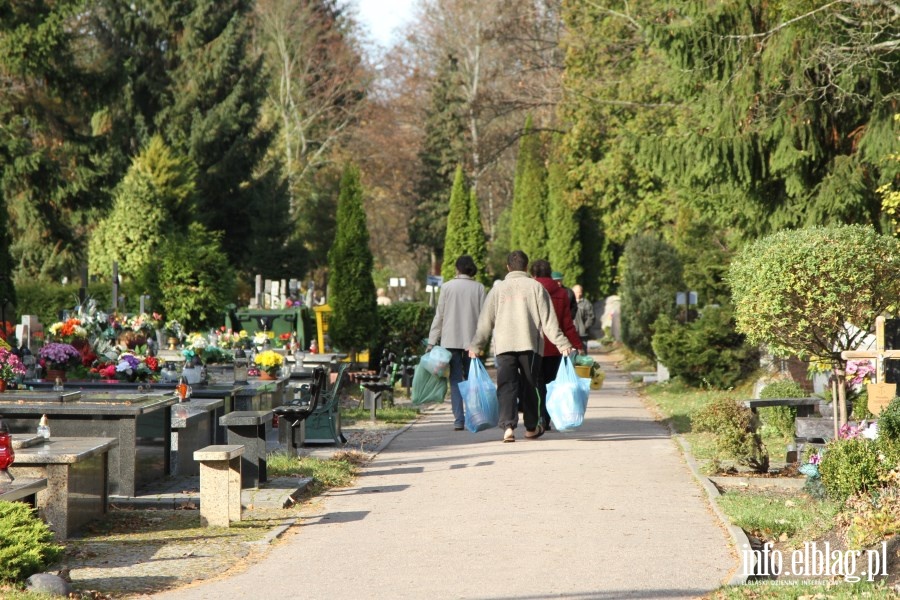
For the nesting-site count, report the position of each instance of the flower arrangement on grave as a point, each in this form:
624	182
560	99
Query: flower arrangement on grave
283	340
262	338
67	331
10	366
157	321
269	361
59	357
197	341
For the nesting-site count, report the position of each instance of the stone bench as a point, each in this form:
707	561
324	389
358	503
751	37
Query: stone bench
77	473
220	484
806	407
808	427
248	428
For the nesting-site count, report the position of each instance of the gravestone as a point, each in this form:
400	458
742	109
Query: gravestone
881	392
28	330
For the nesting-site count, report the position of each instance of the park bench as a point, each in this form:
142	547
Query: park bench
378	387
323	426
294	414
808	427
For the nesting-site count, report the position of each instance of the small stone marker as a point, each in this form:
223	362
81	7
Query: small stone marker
220	484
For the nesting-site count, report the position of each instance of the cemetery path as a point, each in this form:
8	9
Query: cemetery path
608	511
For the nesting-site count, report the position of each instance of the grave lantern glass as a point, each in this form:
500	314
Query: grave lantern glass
241	365
7	456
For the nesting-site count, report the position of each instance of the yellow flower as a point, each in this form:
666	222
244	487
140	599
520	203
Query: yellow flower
269	360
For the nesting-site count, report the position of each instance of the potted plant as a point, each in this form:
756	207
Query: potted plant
269	362
10	368
57	358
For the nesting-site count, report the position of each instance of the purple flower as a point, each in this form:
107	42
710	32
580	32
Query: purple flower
59	355
126	362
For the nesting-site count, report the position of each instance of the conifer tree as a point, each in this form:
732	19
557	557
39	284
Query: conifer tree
476	241
7	288
457	226
354	322
159	187
442	152
564	240
529	209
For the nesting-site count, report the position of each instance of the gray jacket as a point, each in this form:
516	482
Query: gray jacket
519	313
457	313
584	318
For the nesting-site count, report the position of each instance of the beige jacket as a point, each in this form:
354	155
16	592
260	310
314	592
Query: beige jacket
519	313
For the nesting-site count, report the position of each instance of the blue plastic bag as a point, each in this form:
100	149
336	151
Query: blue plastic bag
436	361
479	395
567	397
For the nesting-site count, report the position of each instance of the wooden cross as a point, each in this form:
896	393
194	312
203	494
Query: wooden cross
880	393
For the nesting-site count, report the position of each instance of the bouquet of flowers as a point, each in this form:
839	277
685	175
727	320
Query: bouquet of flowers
10	366
59	356
269	361
67	331
198	342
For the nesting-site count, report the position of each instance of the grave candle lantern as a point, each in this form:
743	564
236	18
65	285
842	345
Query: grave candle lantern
241	365
7	456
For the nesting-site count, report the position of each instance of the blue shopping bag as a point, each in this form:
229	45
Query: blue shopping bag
567	397
479	395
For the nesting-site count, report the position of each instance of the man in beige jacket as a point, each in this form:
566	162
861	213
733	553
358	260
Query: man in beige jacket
519	313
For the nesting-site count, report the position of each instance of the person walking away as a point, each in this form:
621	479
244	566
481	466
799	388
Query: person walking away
459	305
381	298
584	319
519	313
551	358
573	303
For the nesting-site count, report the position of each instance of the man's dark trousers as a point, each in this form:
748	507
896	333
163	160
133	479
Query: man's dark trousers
514	368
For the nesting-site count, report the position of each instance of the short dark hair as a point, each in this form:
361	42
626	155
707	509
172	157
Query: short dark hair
540	268
517	261
465	264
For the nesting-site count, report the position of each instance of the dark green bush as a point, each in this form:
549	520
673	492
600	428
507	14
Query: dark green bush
850	466
735	431
707	351
26	543
651	275
781	418
403	327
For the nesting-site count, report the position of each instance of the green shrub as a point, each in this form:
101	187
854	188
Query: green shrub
735	431
706	351
403	327
781	418
26	543
889	421
850	466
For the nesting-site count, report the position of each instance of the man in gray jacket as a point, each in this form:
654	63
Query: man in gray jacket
519	313
454	323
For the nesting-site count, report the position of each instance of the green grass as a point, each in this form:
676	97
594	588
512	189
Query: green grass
775	590
769	514
338	471
394	415
12	593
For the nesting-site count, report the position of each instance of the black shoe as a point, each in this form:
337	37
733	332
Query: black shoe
534	433
458	428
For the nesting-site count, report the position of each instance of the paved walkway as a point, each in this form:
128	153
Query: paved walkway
609	511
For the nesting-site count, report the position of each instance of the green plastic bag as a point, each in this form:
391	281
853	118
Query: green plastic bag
428	387
583	360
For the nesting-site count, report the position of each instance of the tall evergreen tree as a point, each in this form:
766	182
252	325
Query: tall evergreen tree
563	227
457	226
529	210
476	241
52	172
354	322
442	151
7	287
